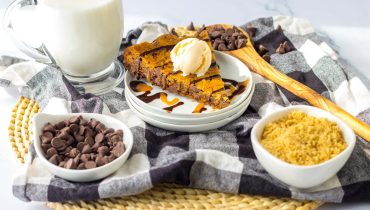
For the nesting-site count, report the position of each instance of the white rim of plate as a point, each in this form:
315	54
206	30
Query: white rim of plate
243	96
188	121
187	128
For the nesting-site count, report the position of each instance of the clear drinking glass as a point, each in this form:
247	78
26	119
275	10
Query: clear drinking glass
81	38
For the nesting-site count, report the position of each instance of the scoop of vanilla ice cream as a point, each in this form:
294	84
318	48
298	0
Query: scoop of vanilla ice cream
191	56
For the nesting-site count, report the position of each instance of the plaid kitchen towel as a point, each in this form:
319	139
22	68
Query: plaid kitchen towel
221	159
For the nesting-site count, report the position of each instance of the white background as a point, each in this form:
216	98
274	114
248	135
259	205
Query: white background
346	22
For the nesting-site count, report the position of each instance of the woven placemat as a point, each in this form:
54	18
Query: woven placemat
164	196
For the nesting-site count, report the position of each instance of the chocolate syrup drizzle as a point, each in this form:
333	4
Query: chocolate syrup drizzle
149	98
166	47
199	108
240	88
135	84
170	108
145	97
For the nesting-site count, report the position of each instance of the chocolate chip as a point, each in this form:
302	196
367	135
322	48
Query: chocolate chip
70	140
64	151
77	159
90	141
173	31
262	49
45	147
83	122
241	43
70	164
100	160
286	46
222	47
99	137
78	137
90	164
279	28
48	134
58	143
54	159
66	122
74	128
60	125
109	130
80	146
63	135
119	149
45	139
100	127
93	156
81	166
73	153
61	164
48	127
191	26
89	132
81	130
85	157
229	32
103	150
280	49
116	138
86	149
111	157
251	30
74	120
93	122
66	130
215	45
215	34
95	147
51	151
266	57
231	46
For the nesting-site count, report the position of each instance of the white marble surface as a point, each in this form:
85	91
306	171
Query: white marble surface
346	22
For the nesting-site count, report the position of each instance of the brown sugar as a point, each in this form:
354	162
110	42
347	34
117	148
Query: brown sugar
302	139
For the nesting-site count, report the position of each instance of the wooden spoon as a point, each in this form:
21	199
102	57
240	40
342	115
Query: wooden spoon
256	63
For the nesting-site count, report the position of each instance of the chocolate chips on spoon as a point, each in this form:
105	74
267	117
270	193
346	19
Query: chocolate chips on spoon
80	144
227	39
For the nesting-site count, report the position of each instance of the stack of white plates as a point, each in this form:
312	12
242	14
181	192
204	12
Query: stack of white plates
181	118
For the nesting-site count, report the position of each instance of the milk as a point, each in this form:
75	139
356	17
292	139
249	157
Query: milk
83	36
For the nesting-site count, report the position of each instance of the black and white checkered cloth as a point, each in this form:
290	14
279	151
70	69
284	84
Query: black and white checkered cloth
222	159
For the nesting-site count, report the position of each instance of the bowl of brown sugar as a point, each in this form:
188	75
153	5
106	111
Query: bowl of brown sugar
302	146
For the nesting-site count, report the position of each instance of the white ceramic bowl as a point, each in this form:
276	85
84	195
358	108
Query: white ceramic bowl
185	120
195	127
295	175
230	67
85	175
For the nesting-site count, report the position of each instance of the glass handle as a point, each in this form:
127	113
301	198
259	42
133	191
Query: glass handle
39	54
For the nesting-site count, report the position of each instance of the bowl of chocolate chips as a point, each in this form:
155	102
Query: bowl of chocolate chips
81	147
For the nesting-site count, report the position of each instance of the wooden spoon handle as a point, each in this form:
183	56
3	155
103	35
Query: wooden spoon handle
257	64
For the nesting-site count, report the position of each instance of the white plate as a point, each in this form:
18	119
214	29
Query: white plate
188	121
231	68
186	128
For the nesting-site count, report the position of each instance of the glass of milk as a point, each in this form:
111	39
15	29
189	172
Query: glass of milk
80	37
